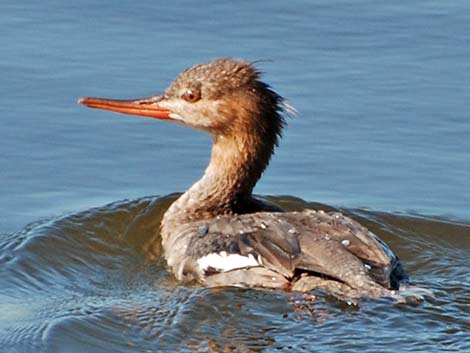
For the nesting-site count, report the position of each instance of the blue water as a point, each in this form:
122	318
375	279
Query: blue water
382	91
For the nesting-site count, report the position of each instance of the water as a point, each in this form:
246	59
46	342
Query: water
382	133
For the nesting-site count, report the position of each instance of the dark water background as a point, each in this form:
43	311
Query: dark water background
383	133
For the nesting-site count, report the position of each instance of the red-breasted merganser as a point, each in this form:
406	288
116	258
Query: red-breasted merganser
219	234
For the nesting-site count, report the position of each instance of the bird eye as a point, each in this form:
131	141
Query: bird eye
191	96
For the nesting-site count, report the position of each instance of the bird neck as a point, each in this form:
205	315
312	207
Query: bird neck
237	162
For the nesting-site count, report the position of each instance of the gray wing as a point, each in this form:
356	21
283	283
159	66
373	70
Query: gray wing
337	246
327	245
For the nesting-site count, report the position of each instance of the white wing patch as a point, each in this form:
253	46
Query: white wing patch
226	262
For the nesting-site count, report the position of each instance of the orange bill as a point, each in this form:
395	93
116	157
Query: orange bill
143	107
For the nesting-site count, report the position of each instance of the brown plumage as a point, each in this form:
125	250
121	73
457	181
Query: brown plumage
220	235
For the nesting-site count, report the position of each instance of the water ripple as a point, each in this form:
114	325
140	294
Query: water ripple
95	281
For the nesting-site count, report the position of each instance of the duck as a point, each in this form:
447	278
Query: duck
218	233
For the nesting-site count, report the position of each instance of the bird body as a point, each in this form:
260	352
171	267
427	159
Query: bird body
273	250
